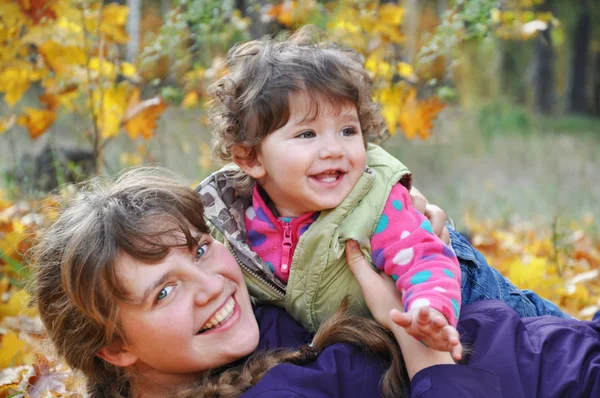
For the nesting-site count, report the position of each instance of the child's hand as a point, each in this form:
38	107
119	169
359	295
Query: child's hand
431	328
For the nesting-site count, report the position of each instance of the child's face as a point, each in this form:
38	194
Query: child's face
312	165
176	299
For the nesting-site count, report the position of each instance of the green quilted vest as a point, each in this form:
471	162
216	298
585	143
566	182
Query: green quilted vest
319	277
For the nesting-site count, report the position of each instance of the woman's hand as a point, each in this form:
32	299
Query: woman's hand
379	290
385	303
437	217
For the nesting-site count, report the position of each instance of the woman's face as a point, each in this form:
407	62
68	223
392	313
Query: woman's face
189	313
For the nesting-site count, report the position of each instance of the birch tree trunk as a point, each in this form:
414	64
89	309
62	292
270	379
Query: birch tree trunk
133	28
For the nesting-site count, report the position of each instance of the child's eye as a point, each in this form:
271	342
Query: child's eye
201	250
306	134
165	291
348	131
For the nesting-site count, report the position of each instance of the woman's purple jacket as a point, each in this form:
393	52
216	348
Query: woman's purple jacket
510	357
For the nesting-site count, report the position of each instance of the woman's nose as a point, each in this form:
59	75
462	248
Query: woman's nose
209	287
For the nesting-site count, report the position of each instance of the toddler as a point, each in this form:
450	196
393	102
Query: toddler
296	117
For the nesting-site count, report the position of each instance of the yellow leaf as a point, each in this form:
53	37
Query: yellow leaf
405	70
37	121
110	108
114	19
390	114
102	68
190	100
12	15
18	304
14	81
12	350
391	14
141	117
128	70
61	58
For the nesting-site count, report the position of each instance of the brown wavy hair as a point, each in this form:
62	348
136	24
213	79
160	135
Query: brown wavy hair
252	99
77	292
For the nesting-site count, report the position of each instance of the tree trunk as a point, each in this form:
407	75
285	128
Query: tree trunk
597	86
543	73
577	94
133	29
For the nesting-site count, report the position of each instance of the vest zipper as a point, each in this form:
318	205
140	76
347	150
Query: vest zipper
272	287
286	248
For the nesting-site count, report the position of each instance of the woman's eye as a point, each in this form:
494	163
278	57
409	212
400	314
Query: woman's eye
348	131
201	250
165	291
306	134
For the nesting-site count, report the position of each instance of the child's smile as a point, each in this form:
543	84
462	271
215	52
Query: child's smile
313	161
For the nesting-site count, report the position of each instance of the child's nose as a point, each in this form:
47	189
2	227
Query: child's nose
331	148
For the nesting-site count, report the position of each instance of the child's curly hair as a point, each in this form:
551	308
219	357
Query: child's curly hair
252	99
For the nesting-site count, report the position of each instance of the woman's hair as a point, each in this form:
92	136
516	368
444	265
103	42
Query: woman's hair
341	327
253	99
77	291
75	282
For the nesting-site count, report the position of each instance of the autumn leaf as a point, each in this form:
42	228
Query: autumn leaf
129	70
62	58
406	71
141	116
112	23
190	100
37	121
417	116
100	67
12	350
38	10
110	105
17	304
14	81
50	101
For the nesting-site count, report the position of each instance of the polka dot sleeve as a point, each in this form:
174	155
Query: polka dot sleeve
426	270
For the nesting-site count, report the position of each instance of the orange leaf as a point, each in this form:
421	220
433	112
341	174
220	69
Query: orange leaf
37	121
417	116
141	117
38	10
51	101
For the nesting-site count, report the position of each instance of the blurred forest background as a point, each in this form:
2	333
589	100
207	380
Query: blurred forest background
493	104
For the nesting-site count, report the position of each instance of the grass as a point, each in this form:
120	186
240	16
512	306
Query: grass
503	162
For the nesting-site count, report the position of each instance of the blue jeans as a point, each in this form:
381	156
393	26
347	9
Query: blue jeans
482	282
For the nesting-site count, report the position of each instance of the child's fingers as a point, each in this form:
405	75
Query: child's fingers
423	316
456	352
400	318
438	323
453	339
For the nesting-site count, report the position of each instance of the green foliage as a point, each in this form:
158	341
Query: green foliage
197	30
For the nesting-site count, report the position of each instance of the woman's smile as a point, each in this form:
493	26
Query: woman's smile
223	319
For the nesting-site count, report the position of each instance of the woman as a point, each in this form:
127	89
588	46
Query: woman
135	293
